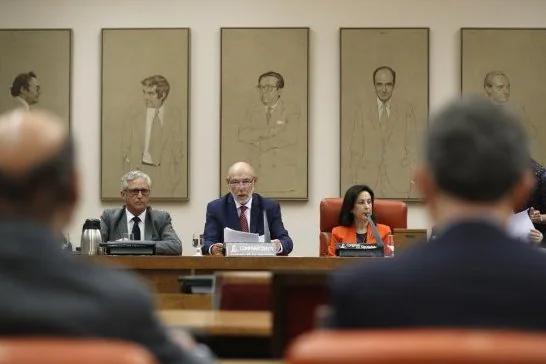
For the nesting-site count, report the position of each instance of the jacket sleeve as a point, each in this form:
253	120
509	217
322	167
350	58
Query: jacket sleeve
334	239
278	231
213	230
169	243
105	226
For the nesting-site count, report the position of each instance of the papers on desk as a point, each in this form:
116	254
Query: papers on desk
235	236
520	225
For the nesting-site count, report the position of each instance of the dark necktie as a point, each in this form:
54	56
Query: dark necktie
136	229
242	218
268	115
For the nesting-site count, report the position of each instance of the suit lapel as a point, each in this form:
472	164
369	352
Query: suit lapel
121	224
255	213
148	225
233	221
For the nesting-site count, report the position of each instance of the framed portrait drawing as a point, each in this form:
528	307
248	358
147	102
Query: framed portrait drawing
507	66
384	105
145	109
35	68
264	107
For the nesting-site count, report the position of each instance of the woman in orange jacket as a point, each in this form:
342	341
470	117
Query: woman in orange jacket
353	219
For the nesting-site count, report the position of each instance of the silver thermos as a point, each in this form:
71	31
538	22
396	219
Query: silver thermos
91	237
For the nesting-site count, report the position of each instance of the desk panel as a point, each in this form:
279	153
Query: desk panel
162	272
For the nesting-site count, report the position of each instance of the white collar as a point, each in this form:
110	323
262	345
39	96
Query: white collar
247	204
130	216
381	103
152	111
23	101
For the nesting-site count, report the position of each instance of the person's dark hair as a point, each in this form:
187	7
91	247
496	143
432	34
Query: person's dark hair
22	81
385	68
280	79
162	85
40	190
476	150
346	217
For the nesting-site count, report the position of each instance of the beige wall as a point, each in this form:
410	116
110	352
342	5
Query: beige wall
205	17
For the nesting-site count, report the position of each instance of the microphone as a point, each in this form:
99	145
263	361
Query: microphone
375	232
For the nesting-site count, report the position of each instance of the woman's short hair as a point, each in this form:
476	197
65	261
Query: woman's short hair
346	217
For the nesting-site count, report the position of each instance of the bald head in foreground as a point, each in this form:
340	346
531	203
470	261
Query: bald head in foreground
241	209
45	291
475	168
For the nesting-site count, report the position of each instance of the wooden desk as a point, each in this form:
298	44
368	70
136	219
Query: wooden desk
162	272
245	361
220	323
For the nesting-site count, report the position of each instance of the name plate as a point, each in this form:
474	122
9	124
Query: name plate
359	250
250	249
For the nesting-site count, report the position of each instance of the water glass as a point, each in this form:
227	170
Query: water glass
127	236
389	253
197	243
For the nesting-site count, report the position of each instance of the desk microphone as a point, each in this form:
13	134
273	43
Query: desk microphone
374	230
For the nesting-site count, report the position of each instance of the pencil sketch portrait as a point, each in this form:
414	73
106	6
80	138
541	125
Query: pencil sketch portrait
35	70
384	98
148	131
264	120
507	66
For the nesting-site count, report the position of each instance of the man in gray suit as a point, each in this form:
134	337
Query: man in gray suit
138	218
45	291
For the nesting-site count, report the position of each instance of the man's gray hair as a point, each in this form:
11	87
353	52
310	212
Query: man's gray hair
476	150
488	80
131	176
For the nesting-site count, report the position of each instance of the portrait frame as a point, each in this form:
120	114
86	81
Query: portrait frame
170	179
514	78
53	48
361	107
289	180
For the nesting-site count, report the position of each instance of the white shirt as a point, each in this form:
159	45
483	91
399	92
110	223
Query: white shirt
150	114
248	205
380	107
130	222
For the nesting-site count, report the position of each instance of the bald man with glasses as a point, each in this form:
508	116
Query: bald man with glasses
242	209
138	218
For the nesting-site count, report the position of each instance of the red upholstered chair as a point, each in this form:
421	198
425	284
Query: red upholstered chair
418	346
28	350
393	213
243	291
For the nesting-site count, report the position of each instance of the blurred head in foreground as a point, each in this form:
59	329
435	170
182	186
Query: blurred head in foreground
476	162
38	180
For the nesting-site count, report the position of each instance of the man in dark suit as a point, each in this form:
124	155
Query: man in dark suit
45	291
243	210
138	218
476	167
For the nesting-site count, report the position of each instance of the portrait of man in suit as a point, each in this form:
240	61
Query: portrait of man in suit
270	131
384	139
25	90
496	85
153	140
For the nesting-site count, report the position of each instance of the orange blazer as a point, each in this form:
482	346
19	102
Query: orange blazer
347	234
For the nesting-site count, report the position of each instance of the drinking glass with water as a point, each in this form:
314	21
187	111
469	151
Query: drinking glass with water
197	243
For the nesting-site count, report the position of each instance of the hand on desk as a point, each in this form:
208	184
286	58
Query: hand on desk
535	236
217	250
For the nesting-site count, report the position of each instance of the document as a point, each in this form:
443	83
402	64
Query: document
235	236
520	225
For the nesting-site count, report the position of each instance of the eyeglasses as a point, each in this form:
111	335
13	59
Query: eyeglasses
135	191
243	183
266	88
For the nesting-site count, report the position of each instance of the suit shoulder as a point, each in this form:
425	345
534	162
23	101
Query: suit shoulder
106	213
340	229
215	204
383	228
266	202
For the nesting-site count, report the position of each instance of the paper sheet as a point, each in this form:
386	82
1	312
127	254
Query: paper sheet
235	236
520	224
